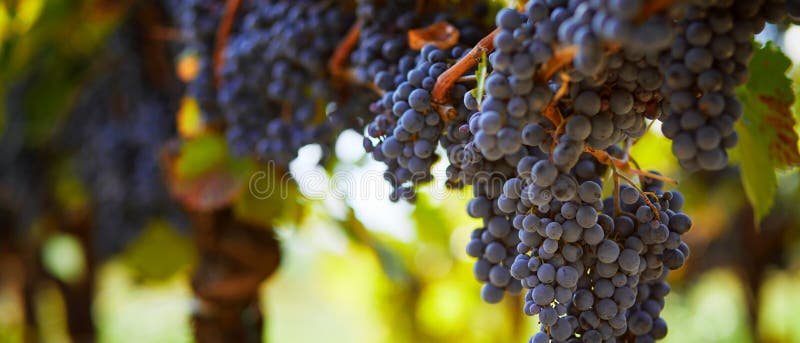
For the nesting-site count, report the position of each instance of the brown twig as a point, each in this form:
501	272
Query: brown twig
624	165
449	77
560	59
336	65
642	193
223	32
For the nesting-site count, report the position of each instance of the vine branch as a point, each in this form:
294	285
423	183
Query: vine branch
223	32
337	62
452	74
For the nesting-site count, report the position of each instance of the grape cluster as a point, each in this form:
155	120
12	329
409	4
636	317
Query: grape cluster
604	104
407	123
115	134
571	84
494	245
274	87
408	126
582	259
707	61
383	40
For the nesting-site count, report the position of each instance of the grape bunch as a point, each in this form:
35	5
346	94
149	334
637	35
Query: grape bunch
582	259
274	87
570	86
707	61
408	125
383	41
115	134
274	93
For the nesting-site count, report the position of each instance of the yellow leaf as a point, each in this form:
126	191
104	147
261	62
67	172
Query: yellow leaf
190	122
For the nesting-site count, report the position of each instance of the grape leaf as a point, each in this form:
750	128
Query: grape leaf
202	174
159	252
199	155
766	132
269	196
757	169
189	118
768	105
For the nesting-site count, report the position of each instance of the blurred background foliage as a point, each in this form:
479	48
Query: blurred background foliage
354	267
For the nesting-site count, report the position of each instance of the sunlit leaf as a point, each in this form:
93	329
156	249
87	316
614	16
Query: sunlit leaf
267	196
159	251
431	221
757	170
202	175
200	154
391	262
190	119
27	13
768	102
766	131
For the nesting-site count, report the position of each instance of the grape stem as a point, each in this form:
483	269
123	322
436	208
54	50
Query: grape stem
452	74
336	65
617	208
561	58
642	193
551	112
624	165
467	78
223	32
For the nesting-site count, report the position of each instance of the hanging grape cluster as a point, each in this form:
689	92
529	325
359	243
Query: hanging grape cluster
539	132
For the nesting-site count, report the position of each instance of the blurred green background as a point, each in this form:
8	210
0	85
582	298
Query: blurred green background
358	268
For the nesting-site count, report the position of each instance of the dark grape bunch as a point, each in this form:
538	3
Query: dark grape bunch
570	85
274	93
275	88
383	40
707	61
115	135
594	269
589	272
407	125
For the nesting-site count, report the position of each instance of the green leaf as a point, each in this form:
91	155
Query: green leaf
269	196
768	105
159	252
757	170
480	76
200	155
767	139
